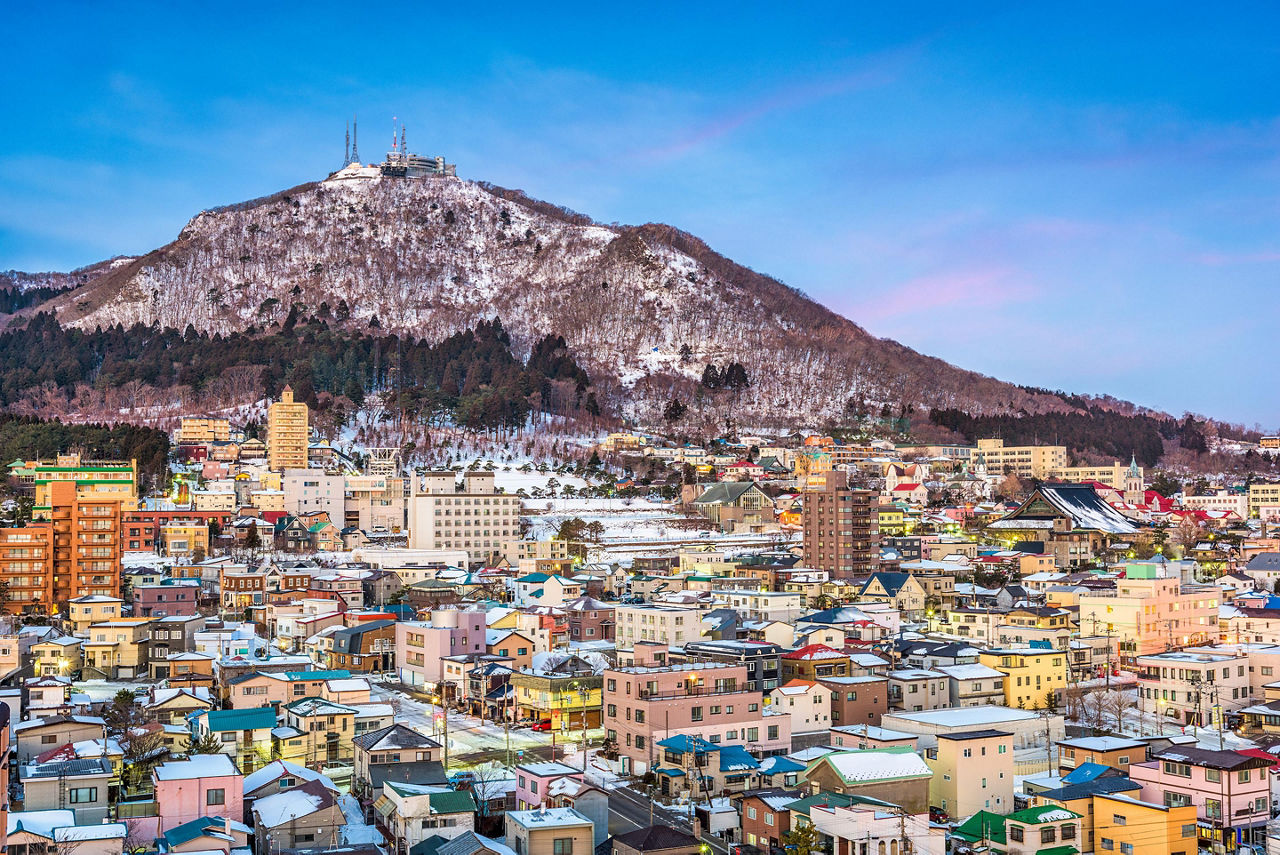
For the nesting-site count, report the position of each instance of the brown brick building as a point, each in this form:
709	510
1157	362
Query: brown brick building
841	526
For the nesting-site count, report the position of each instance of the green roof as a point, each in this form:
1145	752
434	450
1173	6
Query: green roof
1058	850
259	719
801	806
452	802
983	825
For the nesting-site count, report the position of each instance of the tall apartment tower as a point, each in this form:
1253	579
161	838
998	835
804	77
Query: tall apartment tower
288	433
841	526
73	552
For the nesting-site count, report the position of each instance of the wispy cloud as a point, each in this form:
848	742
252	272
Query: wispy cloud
983	287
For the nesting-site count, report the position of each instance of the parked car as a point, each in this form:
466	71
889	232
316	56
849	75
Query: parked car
545	724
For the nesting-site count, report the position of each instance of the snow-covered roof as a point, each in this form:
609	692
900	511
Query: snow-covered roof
878	764
198	766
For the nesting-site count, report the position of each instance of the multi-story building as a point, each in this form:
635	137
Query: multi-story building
476	517
972	771
841	526
762	658
1025	461
374	503
1186	685
103	479
644	703
1123	824
590	619
659	624
309	491
185	539
1127	478
142	528
288	433
76	553
420	646
1263	495
1147	614
1230	792
199	431
1030	674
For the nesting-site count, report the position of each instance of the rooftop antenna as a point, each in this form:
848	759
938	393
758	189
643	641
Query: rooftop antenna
346	149
403	149
393	133
355	130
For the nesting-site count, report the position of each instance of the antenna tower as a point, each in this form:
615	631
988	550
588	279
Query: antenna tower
355	154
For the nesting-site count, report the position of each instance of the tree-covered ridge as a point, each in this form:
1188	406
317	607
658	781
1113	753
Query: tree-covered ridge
1096	431
472	377
28	437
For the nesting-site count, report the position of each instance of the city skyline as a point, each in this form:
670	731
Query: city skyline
980	184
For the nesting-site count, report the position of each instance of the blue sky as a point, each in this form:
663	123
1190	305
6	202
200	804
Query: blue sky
1085	198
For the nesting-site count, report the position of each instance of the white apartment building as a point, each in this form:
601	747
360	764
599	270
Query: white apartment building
1186	685
476	517
309	491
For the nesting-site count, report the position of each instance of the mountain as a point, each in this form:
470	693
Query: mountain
644	308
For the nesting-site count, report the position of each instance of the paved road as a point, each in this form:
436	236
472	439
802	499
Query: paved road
628	810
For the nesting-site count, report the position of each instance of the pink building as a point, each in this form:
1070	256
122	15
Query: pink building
534	780
205	785
646	702
422	645
166	600
1229	789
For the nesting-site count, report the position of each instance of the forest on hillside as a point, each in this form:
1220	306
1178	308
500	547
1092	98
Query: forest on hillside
1097	431
471	378
28	437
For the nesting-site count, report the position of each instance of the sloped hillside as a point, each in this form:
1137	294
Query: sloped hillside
644	308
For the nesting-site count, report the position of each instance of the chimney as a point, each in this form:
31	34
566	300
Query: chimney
226	825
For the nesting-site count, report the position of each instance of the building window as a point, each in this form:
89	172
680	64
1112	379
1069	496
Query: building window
83	795
562	846
216	797
1015	833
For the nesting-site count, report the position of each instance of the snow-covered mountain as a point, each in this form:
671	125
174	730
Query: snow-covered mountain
643	308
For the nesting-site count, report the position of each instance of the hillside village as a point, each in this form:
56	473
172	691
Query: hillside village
763	645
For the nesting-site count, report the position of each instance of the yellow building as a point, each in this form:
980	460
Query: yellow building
197	431
892	521
184	539
1030	674
1263	495
117	649
1124	824
57	656
84	612
1119	475
94	480
288	433
1025	461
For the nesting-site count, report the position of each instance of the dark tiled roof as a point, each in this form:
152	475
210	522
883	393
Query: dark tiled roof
657	837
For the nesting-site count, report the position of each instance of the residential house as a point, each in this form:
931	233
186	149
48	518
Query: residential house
414	812
394	753
307	817
897	775
81	785
549	831
245	734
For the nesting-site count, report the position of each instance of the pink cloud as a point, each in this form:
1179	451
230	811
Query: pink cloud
985	287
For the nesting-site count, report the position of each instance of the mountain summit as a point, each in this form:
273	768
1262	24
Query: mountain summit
644	308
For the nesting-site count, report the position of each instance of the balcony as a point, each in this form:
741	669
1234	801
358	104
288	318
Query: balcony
691	692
